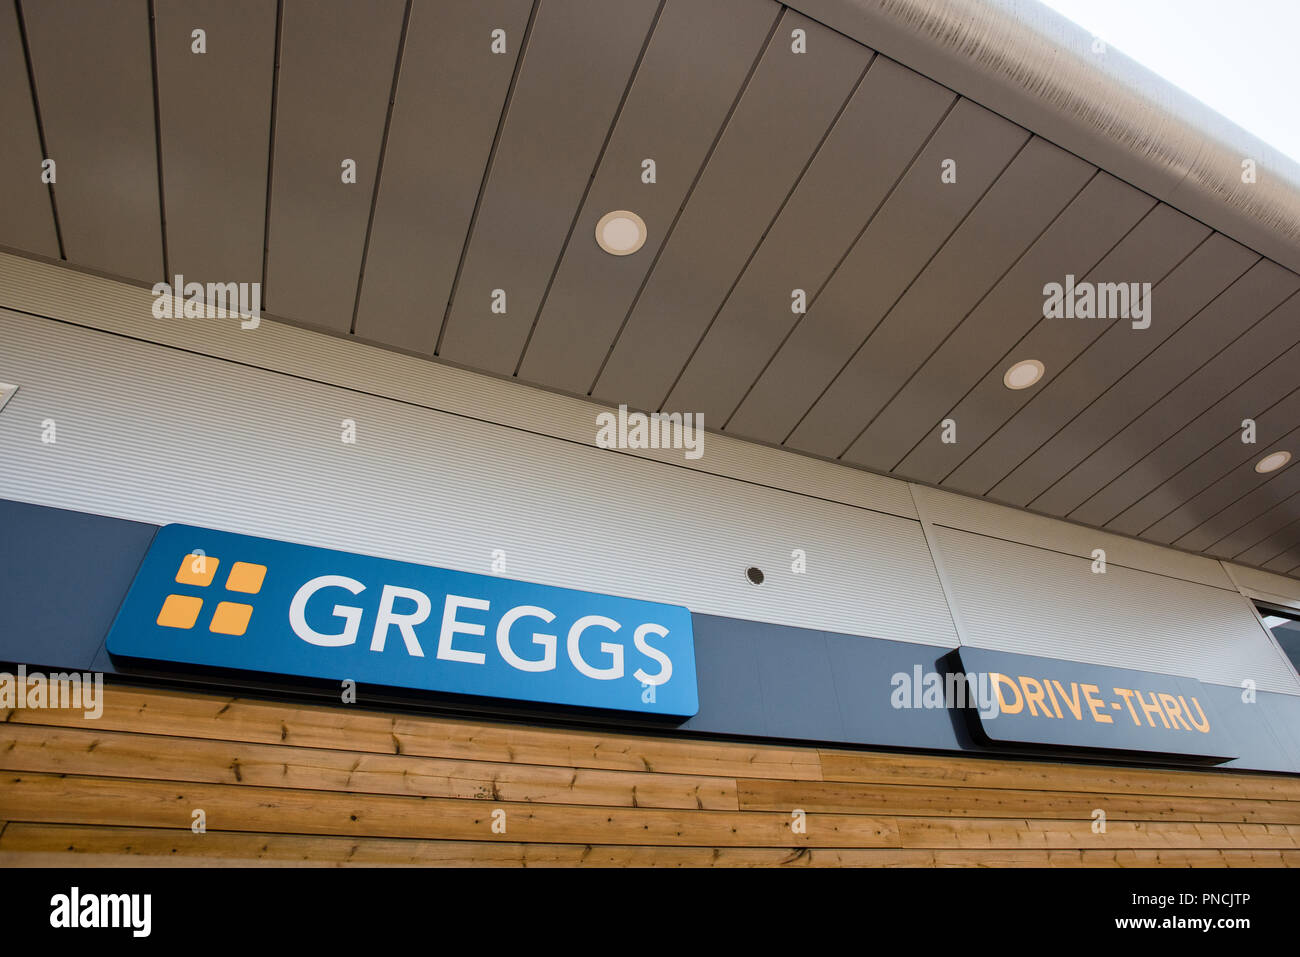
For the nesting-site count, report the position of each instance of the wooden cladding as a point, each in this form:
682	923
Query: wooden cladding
282	783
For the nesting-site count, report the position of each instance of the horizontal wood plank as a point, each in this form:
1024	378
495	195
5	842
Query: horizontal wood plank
353	729
61	799
121	754
871	767
42	845
847	798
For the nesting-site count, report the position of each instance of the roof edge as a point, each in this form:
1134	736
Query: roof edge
1038	69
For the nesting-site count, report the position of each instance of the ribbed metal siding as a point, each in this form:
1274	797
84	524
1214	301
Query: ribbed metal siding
999	521
1034	601
104	304
157	434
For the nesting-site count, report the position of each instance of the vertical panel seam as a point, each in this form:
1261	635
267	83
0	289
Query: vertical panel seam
487	173
40	125
270	145
940	570
157	138
379	166
591	181
668	233
847	252
812	157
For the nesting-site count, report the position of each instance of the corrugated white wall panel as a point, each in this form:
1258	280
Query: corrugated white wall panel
1001	521
97	303
156	434
1034	601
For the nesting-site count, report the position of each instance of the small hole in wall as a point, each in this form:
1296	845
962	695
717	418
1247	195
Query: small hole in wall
755	575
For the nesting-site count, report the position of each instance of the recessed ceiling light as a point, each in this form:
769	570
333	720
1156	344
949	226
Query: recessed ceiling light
1023	374
620	233
1272	462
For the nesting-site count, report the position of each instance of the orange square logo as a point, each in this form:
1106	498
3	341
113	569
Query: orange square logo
231	618
246	577
197	570
180	611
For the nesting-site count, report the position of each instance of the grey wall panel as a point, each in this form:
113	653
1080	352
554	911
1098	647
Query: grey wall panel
1025	199
880	131
214	170
690	77
28	220
1084	232
1033	601
785	112
1230	314
1194	469
336	73
920	213
227	446
580	56
450	97
41	551
94	81
1269	491
1148	254
1070	391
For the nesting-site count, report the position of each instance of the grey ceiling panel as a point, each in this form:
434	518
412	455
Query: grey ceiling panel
214	180
902	238
1226	358
336	73
872	143
94	81
1069	391
1027	197
1210	502
575	70
1147	254
1195	466
1267	492
1230	374
1197	340
691	75
1275	544
28	220
450	81
1082	234
1264	538
785	112
1287	563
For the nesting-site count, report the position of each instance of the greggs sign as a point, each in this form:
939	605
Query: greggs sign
1047	701
203	597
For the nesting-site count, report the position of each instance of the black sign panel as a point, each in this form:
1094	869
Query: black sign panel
1026	700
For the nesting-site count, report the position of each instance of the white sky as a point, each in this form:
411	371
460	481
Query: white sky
1239	57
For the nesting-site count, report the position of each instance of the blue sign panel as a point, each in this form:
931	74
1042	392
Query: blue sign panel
203	597
1034	700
